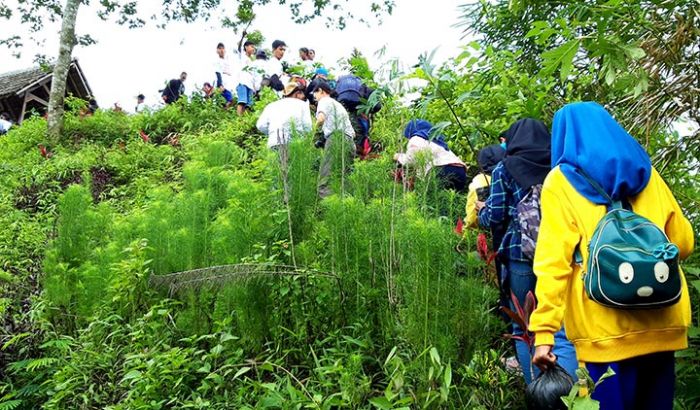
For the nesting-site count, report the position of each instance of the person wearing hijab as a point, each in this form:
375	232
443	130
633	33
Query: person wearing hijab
637	344
487	159
526	163
424	141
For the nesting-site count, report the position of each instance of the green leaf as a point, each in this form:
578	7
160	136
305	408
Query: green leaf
585	403
131	375
447	378
635	53
241	371
381	403
561	56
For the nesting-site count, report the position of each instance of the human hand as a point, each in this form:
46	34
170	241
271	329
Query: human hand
544	358
479	205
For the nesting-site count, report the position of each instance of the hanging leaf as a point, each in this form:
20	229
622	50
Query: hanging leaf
561	56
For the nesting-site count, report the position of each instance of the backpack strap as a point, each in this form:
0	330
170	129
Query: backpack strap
611	204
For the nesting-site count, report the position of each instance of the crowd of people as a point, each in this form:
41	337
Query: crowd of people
542	196
586	175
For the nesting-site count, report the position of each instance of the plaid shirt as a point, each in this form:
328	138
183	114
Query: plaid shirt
501	209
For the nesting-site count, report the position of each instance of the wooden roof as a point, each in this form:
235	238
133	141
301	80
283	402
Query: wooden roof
24	90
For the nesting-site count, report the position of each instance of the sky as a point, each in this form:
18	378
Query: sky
126	62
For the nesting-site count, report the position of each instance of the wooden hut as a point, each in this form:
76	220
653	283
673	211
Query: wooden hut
28	90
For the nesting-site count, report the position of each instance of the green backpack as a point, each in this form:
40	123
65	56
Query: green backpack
631	262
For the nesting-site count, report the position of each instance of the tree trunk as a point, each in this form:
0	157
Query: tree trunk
60	71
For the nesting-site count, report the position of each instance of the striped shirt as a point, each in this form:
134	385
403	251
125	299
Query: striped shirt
501	209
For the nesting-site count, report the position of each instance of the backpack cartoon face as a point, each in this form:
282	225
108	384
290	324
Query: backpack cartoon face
629	275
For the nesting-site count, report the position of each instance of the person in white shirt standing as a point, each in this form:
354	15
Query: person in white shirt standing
338	136
224	74
245	91
140	103
284	118
424	141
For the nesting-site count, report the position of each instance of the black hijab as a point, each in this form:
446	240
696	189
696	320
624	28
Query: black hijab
528	152
489	157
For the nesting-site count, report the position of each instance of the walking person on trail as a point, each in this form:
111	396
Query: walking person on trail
595	162
225	74
487	159
424	142
526	164
281	119
140	103
351	92
334	122
174	89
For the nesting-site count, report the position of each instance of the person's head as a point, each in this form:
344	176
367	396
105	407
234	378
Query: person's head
322	90
489	157
140	98
321	72
183	76
5	116
207	88
502	139
424	129
528	152
249	48
312	54
304	54
294	90
278	49
220	50
261	55
586	137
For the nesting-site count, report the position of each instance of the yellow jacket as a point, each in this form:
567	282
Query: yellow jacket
480	181
601	334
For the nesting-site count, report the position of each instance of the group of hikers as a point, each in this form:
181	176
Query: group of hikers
238	76
581	218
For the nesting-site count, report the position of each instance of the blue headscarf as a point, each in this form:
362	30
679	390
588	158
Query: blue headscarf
422	128
585	136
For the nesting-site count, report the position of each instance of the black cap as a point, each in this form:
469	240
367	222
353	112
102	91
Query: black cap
261	55
323	85
278	43
141	97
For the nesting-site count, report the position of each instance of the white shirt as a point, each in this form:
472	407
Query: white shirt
5	125
274	66
337	118
283	117
252	74
140	107
229	77
436	156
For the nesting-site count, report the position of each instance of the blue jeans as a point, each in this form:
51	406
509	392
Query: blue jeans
245	95
521	279
640	383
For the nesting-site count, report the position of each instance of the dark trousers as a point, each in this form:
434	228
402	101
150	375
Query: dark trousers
452	177
640	383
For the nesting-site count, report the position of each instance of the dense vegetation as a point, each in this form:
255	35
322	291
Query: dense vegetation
366	299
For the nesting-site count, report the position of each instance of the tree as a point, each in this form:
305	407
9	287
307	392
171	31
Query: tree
34	12
60	71
640	56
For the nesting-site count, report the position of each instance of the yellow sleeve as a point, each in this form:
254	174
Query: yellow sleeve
479	181
470	219
553	265
678	228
